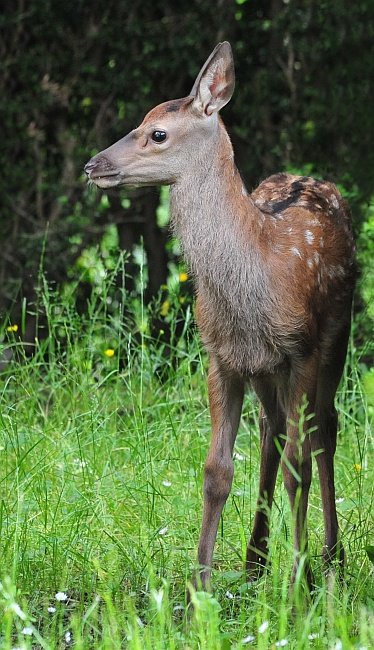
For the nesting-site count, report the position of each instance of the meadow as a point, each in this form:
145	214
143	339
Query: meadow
103	436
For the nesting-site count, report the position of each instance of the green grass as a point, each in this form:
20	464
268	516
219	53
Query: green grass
101	498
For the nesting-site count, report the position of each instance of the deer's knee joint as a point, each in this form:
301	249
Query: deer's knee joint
218	475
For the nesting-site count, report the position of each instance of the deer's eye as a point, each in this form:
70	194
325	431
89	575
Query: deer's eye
158	136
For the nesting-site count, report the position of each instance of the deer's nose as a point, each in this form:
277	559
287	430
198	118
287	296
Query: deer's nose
90	166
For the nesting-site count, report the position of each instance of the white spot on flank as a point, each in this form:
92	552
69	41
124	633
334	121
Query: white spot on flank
316	257
314	222
296	251
309	236
310	263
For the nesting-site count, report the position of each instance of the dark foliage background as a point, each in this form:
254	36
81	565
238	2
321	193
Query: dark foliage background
77	75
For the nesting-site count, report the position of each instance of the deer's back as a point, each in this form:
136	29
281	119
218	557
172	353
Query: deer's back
293	292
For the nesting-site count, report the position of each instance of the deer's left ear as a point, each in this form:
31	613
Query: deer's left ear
215	82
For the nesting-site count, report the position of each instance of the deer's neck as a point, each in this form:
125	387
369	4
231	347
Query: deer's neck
219	228
215	219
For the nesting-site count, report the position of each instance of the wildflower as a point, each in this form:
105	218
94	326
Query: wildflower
183	277
238	456
51	609
67	636
338	645
60	596
163	531
12	328
109	352
165	308
248	639
263	627
357	467
313	635
229	595
166	483
27	631
281	643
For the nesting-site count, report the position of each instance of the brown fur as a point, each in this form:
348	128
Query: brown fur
275	274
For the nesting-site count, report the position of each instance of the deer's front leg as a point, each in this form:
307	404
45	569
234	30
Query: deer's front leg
226	392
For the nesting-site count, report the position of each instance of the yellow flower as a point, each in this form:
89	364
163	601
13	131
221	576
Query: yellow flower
183	277
165	308
109	352
12	328
357	467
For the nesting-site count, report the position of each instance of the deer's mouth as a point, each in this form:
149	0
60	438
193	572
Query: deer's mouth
102	173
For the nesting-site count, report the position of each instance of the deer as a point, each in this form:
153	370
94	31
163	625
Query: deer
274	273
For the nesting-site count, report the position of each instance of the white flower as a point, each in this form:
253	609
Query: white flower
61	596
163	531
281	643
338	645
238	456
313	635
28	631
166	483
248	639
67	636
51	609
229	594
263	627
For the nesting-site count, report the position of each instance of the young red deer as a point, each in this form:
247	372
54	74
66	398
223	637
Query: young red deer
275	273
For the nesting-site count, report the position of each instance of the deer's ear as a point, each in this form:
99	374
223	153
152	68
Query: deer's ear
215	82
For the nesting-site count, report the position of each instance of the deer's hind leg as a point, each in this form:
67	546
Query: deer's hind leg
302	424
272	437
324	442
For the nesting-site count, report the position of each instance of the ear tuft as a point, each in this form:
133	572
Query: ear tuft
215	82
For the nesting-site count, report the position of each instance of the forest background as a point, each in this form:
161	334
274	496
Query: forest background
75	76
